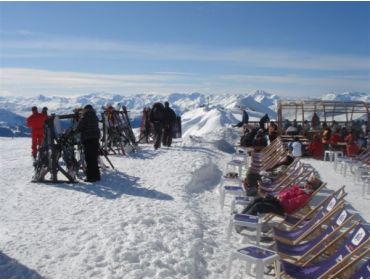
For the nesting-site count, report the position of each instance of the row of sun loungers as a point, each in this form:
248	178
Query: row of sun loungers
321	239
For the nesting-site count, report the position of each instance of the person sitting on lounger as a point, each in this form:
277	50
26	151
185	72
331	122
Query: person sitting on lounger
250	183
286	201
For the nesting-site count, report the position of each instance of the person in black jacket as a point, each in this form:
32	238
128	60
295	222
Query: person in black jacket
264	120
156	117
168	123
89	128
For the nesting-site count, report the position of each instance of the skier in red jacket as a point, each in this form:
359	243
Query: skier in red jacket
36	123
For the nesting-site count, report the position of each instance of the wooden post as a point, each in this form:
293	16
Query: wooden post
280	117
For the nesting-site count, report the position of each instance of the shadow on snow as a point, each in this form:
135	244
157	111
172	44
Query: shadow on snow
113	185
11	268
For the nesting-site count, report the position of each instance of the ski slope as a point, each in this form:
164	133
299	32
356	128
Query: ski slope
157	215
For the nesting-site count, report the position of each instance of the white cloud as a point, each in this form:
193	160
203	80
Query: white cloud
261	57
24	81
328	80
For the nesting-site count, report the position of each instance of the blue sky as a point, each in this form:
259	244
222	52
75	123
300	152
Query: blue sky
286	48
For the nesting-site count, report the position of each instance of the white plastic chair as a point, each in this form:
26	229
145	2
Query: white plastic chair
259	257
245	220
231	186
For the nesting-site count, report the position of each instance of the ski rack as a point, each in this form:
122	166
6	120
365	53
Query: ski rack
49	153
146	128
117	132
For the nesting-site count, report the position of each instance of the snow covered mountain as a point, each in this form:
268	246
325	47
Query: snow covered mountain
11	124
180	101
256	103
347	96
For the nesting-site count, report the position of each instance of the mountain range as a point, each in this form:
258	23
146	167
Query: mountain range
15	109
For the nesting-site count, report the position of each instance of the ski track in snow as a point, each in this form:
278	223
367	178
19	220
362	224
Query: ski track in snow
157	215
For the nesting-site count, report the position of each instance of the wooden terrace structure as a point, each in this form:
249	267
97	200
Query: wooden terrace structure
328	111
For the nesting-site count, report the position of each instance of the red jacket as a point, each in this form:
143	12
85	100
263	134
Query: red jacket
36	122
292	198
334	139
352	150
316	149
349	138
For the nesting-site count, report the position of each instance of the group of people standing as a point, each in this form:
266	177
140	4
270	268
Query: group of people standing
87	126
162	119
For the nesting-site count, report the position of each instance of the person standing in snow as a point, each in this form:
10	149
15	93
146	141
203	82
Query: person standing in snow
89	128
169	121
36	123
156	117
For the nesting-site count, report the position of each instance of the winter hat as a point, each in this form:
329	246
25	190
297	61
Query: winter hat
88	107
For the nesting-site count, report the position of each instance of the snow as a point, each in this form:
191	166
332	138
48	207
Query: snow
157	215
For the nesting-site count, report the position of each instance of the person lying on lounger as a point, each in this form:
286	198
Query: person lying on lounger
285	201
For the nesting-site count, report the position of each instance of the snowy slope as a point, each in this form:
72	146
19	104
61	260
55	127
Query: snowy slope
157	215
12	124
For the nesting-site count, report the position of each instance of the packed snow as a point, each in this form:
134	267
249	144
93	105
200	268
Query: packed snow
156	215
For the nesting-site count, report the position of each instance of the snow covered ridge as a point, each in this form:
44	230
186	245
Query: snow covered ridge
179	101
14	109
347	96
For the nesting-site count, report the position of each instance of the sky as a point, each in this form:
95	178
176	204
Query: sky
292	49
